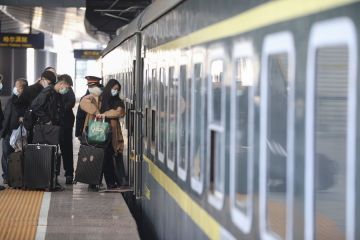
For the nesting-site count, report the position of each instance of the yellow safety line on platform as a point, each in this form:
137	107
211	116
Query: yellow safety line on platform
19	214
204	220
264	15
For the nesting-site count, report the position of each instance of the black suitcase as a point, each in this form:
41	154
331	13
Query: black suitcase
15	169
39	166
89	165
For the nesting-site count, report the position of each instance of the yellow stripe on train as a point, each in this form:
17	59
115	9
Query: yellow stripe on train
205	222
261	16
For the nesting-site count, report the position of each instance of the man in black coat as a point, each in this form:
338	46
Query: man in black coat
66	144
13	115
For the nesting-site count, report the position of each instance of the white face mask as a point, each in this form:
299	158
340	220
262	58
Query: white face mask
114	92
95	91
44	83
16	92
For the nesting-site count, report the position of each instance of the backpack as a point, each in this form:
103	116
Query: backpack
29	120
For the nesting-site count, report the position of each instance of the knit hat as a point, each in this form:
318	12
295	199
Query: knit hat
49	75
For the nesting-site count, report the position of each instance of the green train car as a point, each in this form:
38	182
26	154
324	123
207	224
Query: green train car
242	118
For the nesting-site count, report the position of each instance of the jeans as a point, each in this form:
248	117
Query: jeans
7	150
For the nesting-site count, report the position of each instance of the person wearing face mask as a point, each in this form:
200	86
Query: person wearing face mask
66	139
112	109
13	116
92	81
92	105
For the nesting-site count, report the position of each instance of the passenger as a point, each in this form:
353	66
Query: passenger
48	106
112	109
66	140
91	105
81	114
13	116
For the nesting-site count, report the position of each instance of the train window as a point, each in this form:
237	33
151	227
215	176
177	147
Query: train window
162	117
241	134
331	131
276	124
198	124
172	119
154	92
215	133
154	103
145	105
182	106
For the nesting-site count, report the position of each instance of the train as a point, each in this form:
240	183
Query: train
242	118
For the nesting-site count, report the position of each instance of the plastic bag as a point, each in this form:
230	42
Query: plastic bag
18	138
98	131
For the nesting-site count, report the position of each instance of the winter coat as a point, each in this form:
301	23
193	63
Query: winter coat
48	106
68	100
14	110
80	120
91	106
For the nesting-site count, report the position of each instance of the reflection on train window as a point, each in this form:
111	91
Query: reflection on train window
278	76
154	92
244	76
216	83
162	116
145	105
215	148
153	129
330	142
198	124
121	80
182	119
172	119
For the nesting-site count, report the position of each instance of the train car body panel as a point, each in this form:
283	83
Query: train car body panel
249	120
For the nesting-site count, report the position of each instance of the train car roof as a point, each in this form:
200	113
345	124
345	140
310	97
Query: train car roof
149	15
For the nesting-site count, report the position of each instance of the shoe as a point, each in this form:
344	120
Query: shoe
5	181
2	188
93	188
111	186
69	180
58	188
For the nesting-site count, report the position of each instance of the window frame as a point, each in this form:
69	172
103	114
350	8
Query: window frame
276	43
326	34
170	163
243	221
198	57
216	53
161	155
182	172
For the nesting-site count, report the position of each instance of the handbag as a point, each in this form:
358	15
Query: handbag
98	132
46	134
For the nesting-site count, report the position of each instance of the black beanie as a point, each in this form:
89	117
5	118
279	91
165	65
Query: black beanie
49	75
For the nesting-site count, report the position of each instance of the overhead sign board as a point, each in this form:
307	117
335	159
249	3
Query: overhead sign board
18	40
87	54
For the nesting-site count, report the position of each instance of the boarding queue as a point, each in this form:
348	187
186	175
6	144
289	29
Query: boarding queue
36	127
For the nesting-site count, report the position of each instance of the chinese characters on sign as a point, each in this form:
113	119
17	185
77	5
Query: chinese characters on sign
15	40
87	54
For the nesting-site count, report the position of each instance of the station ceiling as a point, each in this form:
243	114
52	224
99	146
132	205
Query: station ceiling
79	20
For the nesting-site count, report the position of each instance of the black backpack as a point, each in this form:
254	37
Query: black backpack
29	120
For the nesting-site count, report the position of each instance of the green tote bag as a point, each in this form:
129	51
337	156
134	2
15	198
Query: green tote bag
98	131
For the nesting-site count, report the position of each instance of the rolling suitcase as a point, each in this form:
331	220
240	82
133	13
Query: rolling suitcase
39	166
89	165
15	169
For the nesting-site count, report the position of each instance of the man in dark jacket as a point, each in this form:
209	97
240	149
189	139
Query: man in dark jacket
66	144
13	115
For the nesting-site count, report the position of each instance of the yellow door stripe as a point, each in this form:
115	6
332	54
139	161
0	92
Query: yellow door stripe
205	222
261	16
19	213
